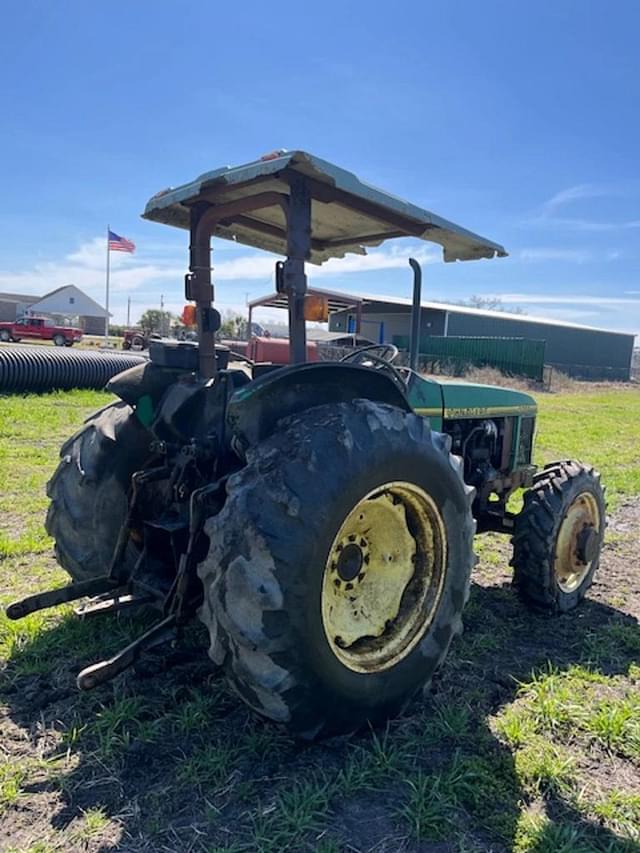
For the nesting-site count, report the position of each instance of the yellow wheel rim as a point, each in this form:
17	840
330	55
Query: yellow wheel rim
384	576
577	543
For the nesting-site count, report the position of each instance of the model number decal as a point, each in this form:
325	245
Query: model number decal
484	411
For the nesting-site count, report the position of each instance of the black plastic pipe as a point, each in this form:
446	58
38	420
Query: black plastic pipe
414	344
42	368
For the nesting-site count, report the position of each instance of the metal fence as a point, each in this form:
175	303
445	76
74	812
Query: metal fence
512	356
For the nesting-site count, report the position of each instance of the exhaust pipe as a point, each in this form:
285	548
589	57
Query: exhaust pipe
414	344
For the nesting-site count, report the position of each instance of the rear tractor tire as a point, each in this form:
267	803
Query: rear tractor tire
89	490
339	567
558	536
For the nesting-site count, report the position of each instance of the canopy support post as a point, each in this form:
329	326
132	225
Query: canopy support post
294	276
198	287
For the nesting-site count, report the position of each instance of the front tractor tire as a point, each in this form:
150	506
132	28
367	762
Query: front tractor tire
89	490
339	566
558	536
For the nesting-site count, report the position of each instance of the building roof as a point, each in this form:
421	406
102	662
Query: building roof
347	213
58	302
337	301
25	298
478	312
69	300
340	301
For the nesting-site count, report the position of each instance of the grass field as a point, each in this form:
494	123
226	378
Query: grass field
529	739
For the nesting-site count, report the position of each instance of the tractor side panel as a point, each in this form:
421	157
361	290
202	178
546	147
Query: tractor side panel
425	398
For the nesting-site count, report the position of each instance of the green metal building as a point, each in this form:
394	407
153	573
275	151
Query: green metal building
580	351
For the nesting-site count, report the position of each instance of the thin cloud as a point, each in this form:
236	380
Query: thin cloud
143	274
580	191
575	224
260	266
550	211
569	299
577	256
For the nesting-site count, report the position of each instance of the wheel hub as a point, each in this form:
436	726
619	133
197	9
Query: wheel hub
383	577
587	544
350	561
577	542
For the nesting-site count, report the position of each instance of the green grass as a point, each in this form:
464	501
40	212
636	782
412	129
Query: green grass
504	755
575	704
31	430
91	826
210	765
602	429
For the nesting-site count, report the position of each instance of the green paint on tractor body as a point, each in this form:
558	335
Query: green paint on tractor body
445	402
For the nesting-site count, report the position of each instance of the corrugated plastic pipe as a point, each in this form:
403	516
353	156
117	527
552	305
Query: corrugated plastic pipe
42	368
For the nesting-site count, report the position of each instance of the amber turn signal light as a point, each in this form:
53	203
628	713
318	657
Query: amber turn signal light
316	308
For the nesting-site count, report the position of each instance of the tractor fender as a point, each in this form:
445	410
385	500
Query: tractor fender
254	410
144	380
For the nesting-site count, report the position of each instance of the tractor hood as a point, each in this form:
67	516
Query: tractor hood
467	400
438	399
347	214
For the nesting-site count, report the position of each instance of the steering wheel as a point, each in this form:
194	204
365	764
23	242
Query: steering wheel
381	360
362	355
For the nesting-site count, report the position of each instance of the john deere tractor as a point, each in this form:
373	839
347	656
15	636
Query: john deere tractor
318	518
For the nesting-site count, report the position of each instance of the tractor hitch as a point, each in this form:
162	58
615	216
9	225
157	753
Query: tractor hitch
72	592
111	602
119	589
98	673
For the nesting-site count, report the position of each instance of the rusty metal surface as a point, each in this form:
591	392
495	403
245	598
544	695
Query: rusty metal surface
347	213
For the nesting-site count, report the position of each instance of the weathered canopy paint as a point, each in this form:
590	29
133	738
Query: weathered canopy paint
347	213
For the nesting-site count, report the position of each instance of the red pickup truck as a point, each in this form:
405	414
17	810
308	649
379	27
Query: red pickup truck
40	327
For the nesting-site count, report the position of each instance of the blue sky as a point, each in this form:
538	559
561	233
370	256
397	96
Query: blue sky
518	121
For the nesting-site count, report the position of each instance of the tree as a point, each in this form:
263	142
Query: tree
154	320
233	326
489	303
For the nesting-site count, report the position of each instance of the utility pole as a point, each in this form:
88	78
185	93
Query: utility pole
162	314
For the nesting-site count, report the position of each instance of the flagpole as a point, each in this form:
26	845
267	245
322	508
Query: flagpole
106	319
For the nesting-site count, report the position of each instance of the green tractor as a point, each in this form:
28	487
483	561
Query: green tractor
317	517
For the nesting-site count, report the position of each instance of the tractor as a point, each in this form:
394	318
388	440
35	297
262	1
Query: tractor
317	517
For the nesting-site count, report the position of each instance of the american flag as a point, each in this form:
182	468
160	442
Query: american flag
120	244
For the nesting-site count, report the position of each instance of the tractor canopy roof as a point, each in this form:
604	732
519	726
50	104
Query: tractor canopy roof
346	214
